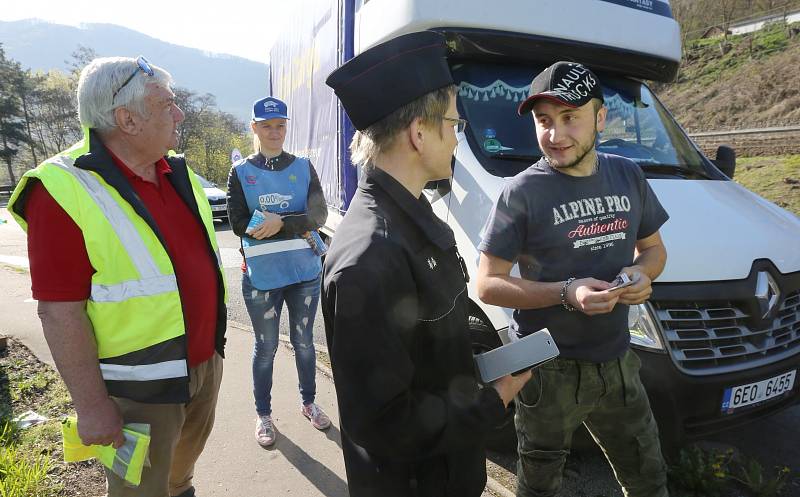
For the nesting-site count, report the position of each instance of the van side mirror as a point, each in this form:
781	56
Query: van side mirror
726	160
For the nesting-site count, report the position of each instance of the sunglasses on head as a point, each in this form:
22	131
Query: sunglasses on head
141	65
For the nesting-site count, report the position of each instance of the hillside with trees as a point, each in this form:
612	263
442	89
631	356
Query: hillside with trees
42	46
38	118
724	82
697	16
728	81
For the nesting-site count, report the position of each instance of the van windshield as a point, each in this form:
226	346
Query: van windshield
637	125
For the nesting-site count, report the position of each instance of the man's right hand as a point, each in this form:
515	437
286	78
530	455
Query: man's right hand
508	386
101	424
587	296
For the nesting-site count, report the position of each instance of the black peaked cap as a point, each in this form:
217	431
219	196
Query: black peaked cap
388	76
566	83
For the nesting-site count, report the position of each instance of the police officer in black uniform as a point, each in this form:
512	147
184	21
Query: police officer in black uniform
413	417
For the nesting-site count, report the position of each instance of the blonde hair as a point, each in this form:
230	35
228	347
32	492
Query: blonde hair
371	142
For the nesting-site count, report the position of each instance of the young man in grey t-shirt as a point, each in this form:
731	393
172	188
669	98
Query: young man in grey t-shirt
574	221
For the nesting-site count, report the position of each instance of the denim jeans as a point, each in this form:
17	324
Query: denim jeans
264	308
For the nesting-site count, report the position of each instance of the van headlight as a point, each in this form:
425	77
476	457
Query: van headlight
643	327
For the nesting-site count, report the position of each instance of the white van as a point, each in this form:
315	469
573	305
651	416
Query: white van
720	337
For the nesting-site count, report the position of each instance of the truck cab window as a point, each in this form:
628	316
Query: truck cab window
637	126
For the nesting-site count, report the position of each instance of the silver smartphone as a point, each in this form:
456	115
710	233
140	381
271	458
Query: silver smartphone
518	356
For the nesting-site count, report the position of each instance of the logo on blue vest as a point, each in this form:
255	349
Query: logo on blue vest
269	199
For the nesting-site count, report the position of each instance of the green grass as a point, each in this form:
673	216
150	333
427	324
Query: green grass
30	459
41	439
23	471
771	39
700	473
713	473
707	64
25	387
777	179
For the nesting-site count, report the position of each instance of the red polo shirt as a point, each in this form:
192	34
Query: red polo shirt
61	271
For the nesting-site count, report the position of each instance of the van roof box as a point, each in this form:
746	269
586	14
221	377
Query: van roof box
493	46
634	38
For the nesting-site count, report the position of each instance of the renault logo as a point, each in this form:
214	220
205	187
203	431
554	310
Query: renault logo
767	293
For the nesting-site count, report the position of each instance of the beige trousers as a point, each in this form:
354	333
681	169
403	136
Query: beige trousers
178	434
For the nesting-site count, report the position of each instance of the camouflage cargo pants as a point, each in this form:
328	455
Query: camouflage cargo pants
610	400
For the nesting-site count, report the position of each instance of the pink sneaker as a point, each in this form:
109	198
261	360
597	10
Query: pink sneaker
265	431
319	419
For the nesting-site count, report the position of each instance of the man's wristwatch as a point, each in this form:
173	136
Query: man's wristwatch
564	302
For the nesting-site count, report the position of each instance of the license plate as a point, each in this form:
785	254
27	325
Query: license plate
218	207
754	393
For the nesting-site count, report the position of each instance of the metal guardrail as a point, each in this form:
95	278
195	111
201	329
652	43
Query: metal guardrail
749	131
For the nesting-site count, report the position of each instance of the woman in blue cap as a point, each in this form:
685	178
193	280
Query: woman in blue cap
275	204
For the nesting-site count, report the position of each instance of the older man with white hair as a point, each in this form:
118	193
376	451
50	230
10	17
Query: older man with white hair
125	266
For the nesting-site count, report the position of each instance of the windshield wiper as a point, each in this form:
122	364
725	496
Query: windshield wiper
675	170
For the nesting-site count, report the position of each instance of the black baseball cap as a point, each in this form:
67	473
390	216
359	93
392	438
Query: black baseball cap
567	83
388	76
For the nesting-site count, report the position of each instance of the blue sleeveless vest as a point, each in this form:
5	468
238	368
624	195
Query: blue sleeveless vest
278	261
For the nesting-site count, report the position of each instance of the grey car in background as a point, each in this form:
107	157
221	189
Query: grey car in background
216	198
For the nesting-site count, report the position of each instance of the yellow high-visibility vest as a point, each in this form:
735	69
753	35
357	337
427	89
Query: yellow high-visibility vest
127	462
134	307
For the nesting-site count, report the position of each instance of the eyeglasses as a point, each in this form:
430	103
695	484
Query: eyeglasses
142	65
459	124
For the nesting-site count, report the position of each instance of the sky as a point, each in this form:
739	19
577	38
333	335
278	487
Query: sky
227	28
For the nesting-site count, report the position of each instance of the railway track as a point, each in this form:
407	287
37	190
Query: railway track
777	140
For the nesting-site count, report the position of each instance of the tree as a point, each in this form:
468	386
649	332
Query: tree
725	10
206	136
195	108
27	92
12	120
56	116
39	109
80	58
696	16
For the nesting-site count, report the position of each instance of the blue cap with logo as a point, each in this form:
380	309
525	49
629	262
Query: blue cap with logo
269	108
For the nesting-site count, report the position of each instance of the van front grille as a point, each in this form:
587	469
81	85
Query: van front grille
713	337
